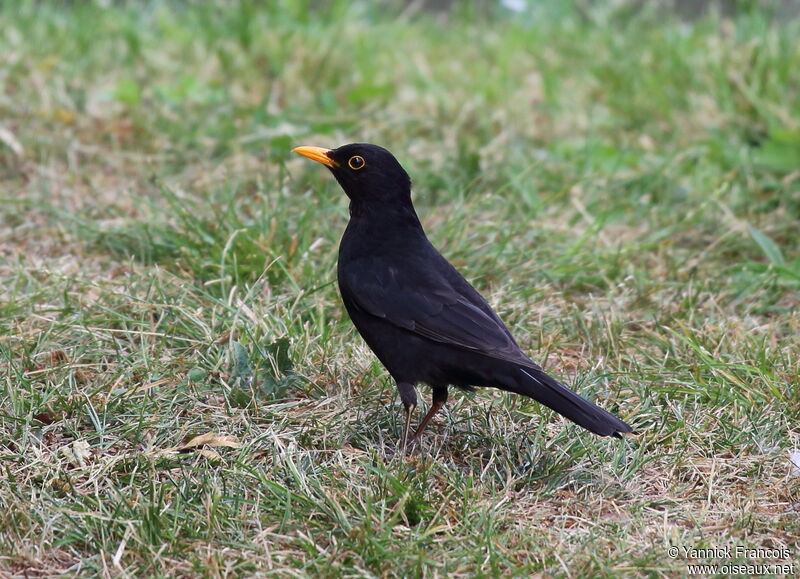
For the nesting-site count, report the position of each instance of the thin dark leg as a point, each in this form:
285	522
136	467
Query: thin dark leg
408	396
439	400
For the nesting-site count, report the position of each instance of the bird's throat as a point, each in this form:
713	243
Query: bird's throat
379	214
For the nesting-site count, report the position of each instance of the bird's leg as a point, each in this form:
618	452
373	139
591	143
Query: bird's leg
407	427
408	396
439	400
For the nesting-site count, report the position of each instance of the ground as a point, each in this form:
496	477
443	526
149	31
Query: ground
182	393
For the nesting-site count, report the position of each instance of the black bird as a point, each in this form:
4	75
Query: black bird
422	319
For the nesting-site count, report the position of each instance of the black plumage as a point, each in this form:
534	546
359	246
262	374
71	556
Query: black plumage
422	319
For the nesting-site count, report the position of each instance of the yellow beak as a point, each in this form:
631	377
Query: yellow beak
317	154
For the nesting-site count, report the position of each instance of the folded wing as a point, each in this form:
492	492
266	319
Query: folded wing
432	306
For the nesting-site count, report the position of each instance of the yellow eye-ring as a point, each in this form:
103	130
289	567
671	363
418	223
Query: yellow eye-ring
356	162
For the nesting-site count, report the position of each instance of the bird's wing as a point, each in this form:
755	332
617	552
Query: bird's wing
430	306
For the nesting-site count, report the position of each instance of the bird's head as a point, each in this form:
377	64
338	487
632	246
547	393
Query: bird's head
367	173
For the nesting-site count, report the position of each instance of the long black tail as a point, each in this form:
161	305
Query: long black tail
535	383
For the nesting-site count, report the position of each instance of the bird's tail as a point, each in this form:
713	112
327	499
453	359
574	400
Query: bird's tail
533	382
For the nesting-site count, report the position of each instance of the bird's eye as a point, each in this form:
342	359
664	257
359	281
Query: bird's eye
356	162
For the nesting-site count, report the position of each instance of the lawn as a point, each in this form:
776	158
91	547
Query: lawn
182	394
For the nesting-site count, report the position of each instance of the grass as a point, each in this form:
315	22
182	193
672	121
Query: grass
622	185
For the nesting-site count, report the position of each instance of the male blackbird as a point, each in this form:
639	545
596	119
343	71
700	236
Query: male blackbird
422	319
